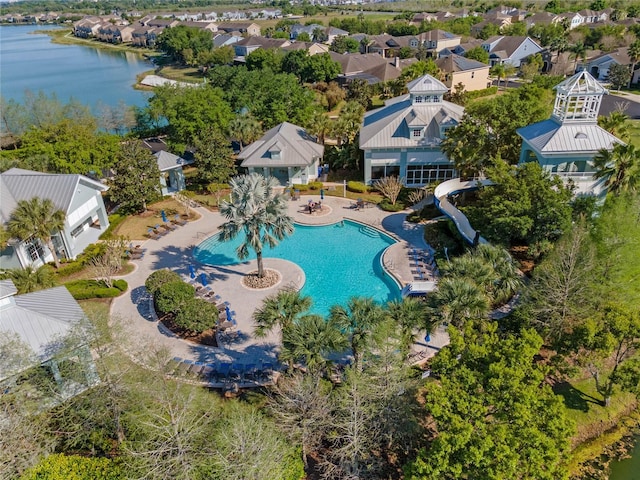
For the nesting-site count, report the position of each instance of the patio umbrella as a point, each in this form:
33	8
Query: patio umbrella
427	338
192	271
228	312
203	279
164	216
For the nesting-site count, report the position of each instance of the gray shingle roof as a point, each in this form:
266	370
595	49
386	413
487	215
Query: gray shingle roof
549	137
297	148
17	184
456	63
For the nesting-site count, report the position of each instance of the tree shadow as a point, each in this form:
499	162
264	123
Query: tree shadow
409	232
575	399
141	298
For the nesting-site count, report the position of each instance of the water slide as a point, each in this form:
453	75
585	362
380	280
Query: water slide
441	198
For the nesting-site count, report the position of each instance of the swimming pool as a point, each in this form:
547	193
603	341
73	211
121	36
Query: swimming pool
339	261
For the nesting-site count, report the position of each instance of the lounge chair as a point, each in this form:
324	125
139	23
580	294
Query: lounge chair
160	231
169	226
134	255
152	234
177	220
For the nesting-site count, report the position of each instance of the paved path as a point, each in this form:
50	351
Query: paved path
175	251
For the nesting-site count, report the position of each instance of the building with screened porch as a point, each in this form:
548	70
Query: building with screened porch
403	137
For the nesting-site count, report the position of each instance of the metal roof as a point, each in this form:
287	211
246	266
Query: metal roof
388	126
17	184
42	320
426	85
169	161
549	137
582	83
297	148
7	289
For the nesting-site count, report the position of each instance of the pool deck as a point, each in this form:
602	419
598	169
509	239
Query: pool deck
134	310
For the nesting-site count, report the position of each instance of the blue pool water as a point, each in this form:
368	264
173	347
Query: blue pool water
339	261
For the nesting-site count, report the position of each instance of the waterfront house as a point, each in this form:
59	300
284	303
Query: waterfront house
286	152
87	27
51	352
78	196
403	137
472	74
565	144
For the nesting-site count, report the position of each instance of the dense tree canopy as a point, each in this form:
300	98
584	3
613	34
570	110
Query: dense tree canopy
136	178
488	128
184	43
494	416
189	111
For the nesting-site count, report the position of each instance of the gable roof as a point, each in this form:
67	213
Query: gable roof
40	320
17	184
169	161
551	138
507	44
296	147
456	63
426	85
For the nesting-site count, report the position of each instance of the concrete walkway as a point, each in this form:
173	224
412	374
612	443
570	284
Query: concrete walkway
175	252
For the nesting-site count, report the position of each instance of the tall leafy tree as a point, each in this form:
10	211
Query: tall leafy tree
38	219
493	415
214	157
479	54
358	319
263	58
184	43
281	310
136	178
619	167
245	129
619	76
342	44
258	211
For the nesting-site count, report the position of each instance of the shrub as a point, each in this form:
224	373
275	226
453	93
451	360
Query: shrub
485	92
357	187
173	296
120	285
315	185
70	268
300	187
84	289
159	278
197	315
114	220
74	467
387	206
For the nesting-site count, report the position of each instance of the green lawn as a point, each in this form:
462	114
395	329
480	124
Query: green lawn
635	132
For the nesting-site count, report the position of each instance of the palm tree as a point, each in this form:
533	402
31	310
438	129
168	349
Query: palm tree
348	125
321	126
31	279
634	56
256	209
620	167
409	314
498	71
459	300
579	53
245	129
37	219
280	310
358	320
616	123
310	340
507	277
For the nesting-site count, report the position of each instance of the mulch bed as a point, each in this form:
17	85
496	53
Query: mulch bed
208	337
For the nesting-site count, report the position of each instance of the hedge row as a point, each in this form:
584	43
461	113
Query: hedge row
85	289
308	186
485	92
357	187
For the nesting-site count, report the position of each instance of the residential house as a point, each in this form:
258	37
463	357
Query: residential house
472	74
52	353
224	40
313	48
76	195
435	41
247	45
144	36
600	65
286	152
539	18
592	16
503	11
510	49
161	23
418	18
370	67
87	27
569	20
209	26
317	33
171	174
248	29
403	137
463	48
115	33
385	45
566	144
501	23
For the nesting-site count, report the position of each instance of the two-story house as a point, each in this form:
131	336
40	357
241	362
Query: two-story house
472	74
510	49
403	137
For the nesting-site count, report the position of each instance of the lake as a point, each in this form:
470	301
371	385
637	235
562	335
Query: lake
629	468
89	75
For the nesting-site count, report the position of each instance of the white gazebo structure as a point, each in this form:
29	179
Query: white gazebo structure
566	144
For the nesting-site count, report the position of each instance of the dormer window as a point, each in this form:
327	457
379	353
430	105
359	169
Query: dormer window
419	99
416	133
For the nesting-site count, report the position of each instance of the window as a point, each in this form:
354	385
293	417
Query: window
418	99
416	133
473	74
34	249
424	174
